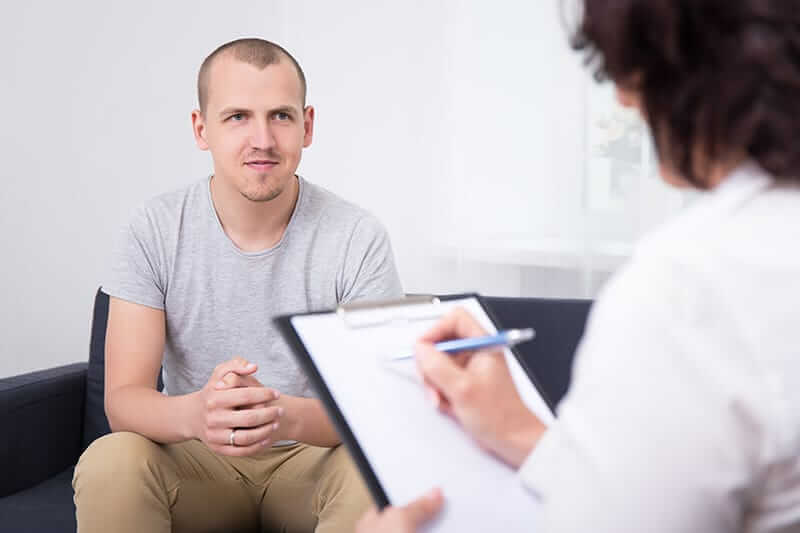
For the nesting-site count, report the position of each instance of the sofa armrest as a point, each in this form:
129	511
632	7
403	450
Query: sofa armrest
41	416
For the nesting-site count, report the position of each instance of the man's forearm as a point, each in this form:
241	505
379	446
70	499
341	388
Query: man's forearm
306	421
146	411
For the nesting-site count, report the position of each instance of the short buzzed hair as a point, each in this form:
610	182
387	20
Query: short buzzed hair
257	52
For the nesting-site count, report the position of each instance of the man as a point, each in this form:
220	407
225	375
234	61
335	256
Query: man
236	442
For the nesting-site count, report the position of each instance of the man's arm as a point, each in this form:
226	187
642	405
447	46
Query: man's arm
369	271
134	345
306	421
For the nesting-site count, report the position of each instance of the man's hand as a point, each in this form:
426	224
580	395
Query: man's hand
249	411
406	519
302	419
477	390
233	379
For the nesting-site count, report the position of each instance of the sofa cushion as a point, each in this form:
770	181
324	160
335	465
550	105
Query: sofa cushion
45	508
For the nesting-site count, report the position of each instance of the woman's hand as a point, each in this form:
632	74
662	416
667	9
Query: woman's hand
406	519
477	390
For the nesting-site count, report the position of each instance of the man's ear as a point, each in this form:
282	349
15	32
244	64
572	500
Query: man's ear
199	129
308	125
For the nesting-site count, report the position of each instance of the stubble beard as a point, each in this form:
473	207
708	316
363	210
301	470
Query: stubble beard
262	196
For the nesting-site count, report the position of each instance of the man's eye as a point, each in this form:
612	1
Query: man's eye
236	117
282	116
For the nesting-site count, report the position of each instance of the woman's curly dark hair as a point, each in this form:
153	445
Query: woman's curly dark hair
715	77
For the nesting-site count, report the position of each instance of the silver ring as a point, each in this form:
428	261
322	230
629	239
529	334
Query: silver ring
232	437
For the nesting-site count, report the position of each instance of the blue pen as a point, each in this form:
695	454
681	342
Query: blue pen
509	337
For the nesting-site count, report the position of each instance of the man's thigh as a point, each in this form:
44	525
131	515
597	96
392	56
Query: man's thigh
211	494
126	478
314	489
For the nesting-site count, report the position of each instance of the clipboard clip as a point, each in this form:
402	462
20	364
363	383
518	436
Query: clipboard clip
408	309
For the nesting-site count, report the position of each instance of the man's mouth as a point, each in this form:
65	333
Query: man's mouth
261	164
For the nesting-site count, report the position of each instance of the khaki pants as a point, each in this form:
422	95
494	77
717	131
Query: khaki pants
126	482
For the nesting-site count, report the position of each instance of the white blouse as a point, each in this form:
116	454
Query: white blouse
684	410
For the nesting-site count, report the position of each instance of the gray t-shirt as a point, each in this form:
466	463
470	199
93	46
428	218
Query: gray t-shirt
219	301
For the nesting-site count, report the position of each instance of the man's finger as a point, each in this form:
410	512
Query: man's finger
242	396
425	508
243	437
251	418
232	380
239	366
229	381
438	369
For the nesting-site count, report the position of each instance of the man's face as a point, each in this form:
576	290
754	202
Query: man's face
254	125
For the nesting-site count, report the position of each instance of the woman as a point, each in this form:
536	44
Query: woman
684	410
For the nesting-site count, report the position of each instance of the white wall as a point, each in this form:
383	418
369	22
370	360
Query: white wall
95	119
462	125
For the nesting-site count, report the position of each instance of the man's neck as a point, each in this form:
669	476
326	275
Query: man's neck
253	226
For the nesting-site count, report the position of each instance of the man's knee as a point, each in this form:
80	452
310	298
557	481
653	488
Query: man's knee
342	474
114	460
343	497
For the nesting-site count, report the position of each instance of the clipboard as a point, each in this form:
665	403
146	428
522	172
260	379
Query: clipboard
366	397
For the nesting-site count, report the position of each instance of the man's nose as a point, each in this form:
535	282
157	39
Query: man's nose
261	137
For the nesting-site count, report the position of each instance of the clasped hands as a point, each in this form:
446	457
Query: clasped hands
235	414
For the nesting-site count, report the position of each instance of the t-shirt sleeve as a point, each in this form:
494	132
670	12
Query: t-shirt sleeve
136	267
369	271
654	434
